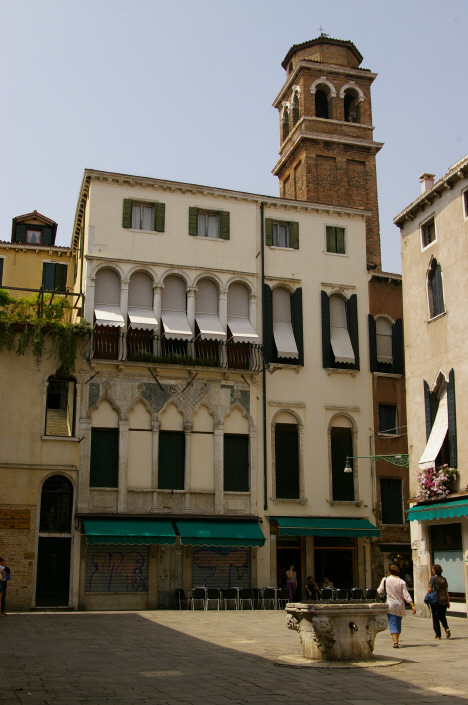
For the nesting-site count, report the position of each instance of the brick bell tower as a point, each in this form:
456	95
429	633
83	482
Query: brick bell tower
327	152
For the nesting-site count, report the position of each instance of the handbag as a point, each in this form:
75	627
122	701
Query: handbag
431	598
383	596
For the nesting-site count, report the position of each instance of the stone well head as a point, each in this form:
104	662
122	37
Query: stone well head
337	632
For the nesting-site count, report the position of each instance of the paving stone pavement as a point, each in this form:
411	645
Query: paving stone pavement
213	658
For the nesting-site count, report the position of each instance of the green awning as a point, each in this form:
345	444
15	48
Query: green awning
129	531
439	510
220	533
325	526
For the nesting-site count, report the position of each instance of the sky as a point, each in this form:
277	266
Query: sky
183	90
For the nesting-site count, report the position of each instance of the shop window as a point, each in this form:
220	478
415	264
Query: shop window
236	463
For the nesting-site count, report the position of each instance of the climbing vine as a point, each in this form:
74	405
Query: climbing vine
37	320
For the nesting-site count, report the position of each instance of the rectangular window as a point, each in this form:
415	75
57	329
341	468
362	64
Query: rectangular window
208	225
388	418
142	216
236	463
391	501
33	236
60	407
428	234
287	461
465	203
341	449
104	465
336	240
171	463
282	233
54	277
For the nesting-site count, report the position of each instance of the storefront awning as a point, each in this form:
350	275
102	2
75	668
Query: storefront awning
210	326
142	318
129	531
107	315
220	533
241	330
439	510
176	325
324	526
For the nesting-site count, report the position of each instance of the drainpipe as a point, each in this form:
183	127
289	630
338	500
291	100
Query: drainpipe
262	258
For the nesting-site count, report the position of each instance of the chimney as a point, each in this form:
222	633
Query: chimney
427	181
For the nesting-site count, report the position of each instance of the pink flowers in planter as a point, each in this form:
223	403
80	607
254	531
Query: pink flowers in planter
435	483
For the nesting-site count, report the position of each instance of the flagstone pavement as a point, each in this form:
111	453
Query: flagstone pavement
215	658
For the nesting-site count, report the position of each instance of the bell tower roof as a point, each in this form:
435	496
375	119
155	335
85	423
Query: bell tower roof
325	50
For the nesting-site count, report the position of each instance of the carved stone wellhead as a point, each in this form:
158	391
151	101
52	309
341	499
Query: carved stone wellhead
337	632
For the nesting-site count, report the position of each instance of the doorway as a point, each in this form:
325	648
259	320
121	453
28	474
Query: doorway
289	552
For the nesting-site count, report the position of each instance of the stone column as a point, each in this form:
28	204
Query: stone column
124	311
155	426
253	310
157	296
188	428
222	313
253	470
219	468
123	465
88	312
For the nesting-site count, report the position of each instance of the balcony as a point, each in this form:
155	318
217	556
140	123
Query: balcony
110	343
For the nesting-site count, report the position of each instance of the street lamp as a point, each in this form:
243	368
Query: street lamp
402	460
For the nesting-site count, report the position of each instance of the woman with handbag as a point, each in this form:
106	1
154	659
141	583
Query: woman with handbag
439	585
396	596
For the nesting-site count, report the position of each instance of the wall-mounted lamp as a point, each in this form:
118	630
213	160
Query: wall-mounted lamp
402	460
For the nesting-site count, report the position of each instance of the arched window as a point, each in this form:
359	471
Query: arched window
286	453
384	335
60	406
240	330
285	124
141	319
107	314
352	112
339	333
174	315
295	108
56	506
208	327
341	451
435	290
321	104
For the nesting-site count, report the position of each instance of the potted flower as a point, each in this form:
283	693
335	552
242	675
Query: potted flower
437	482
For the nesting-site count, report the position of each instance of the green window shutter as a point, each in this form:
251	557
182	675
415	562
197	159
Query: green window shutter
352	317
296	319
452	421
294	235
397	347
224	225
287	461
391	501
61	278
171	462
47	236
127	213
104	465
159	217
20	232
341	448
340	241
48	276
327	355
268	231
372	344
193	221
330	239
427	409
236	463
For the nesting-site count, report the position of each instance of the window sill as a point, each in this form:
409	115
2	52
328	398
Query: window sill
275	500
278	247
342	502
336	254
339	370
210	239
147	232
274	366
436	318
60	438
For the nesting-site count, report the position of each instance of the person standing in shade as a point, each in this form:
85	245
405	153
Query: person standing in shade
440	585
291	582
311	589
397	595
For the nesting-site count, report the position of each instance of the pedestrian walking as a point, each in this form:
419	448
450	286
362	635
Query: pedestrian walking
397	595
440	585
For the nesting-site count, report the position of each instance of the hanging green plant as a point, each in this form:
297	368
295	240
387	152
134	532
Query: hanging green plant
33	320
